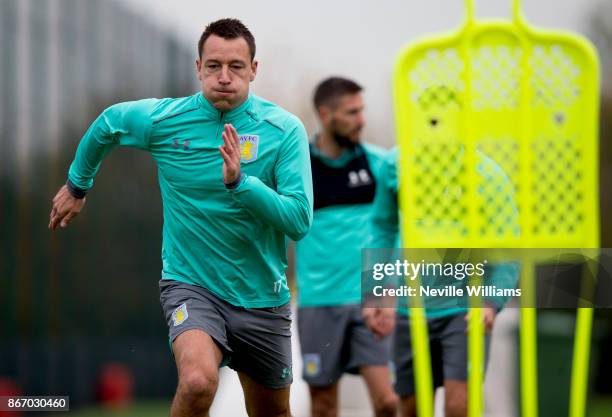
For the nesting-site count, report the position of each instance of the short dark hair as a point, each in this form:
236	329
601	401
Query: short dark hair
331	89
227	29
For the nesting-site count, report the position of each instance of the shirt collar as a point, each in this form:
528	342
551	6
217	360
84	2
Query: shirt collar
216	114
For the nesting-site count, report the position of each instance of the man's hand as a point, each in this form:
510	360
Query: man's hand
65	208
488	317
381	321
230	152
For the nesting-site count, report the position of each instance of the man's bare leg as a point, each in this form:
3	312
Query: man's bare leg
455	398
408	406
324	400
197	361
262	401
378	380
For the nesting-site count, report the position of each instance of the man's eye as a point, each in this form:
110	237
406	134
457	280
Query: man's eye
212	66
236	67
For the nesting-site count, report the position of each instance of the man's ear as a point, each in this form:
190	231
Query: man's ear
253	70
198	63
324	113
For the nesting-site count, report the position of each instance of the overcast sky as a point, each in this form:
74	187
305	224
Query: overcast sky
299	43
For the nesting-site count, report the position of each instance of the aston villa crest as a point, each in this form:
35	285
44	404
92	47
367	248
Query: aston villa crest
249	145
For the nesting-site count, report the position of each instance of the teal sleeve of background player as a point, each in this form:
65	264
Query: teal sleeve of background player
289	208
385	218
376	158
127	124
503	276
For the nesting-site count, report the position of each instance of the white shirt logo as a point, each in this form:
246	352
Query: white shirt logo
359	178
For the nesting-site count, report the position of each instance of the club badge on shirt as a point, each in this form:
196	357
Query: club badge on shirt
249	145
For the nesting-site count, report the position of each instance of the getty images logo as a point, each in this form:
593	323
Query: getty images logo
359	178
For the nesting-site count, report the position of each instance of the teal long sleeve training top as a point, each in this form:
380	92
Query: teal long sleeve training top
229	241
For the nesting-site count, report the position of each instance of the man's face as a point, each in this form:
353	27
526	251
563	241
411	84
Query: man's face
344	118
225	70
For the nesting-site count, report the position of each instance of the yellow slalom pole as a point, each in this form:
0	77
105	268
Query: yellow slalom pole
422	357
475	362
422	363
528	343
582	343
476	328
580	367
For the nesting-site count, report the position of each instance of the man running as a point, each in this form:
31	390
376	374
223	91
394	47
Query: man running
235	179
333	336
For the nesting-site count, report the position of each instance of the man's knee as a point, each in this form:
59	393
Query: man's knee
386	406
280	410
324	401
455	407
455	398
408	406
198	383
197	359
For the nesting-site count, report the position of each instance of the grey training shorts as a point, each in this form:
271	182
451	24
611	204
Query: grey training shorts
256	341
448	349
335	340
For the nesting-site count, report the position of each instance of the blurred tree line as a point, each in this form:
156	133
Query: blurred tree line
74	300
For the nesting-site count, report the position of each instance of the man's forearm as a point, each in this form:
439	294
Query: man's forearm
291	214
125	124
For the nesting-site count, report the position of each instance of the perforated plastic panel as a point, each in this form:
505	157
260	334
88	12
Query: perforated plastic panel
522	100
497	127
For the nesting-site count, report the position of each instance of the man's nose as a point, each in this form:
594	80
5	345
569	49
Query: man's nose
224	76
361	119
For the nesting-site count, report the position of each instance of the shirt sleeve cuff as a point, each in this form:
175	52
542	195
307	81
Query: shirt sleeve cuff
75	191
236	183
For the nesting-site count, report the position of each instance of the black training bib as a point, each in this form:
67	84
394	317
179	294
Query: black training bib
350	184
